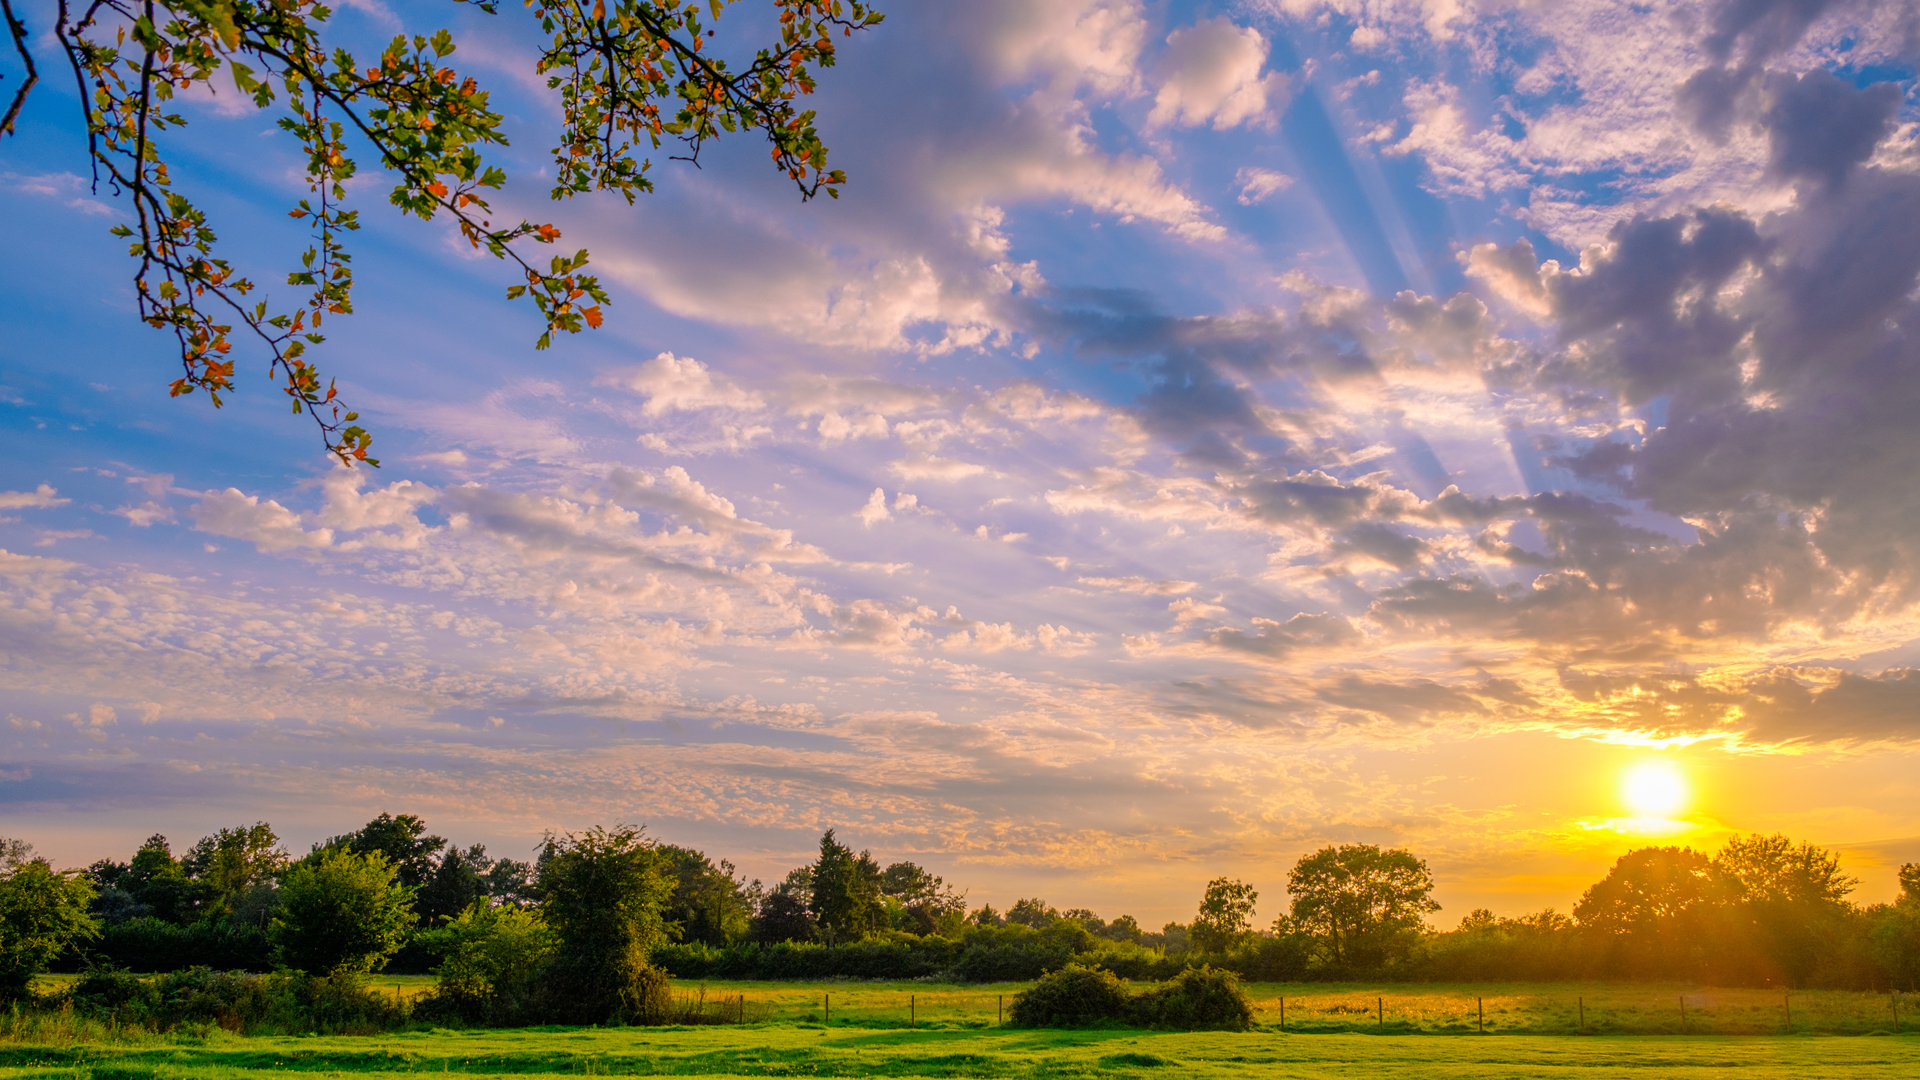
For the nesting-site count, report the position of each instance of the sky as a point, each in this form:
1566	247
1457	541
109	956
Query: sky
1201	433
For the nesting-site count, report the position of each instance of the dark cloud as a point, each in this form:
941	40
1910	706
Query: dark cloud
1276	640
1820	128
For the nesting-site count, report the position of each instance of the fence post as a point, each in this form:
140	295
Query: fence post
1380	1004
1683	1014
1480	1006
828	998
1000	1010
913	1011
1893	996
1583	1013
1283	1013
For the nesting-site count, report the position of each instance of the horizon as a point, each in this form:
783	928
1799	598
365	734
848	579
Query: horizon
1198	434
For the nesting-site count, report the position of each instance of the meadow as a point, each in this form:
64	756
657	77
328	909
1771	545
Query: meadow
932	1029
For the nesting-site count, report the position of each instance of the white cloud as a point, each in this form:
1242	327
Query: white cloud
875	509
268	525
1257	184
672	383
40	498
1211	74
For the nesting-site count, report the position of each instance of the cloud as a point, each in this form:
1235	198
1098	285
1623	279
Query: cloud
1257	184
670	383
268	525
875	510
1210	73
40	498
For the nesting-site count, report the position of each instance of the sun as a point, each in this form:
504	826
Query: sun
1654	789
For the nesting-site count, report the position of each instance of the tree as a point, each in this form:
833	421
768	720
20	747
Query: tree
1655	907
626	72
1360	902
491	959
926	902
1788	901
1034	912
343	913
846	892
232	862
1226	915
601	893
158	881
43	913
456	884
709	904
403	840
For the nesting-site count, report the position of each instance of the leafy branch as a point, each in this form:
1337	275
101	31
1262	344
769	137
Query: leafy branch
426	124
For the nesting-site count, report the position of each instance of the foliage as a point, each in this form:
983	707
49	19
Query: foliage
709	904
601	893
1202	997
232	863
1363	904
151	944
927	905
235	1001
342	914
1074	996
403	840
1033	912
491	959
627	73
846	892
43	912
1226	915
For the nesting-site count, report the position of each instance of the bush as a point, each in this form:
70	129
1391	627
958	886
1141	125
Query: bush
342	914
1074	996
42	914
490	959
601	894
150	944
1202	997
234	1000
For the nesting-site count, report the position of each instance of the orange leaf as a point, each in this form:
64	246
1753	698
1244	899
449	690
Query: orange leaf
438	189
593	316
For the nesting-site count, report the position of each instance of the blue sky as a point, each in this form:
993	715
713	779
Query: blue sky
1202	432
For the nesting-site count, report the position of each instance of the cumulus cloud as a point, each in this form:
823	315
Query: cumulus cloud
671	383
1210	74
40	498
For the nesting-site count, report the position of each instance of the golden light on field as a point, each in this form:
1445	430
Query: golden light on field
1654	789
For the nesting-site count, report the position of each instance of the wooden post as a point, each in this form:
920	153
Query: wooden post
1583	1013
829	1000
1283	1013
1683	1013
1894	997
1480	1006
1380	1004
913	1011
1000	1010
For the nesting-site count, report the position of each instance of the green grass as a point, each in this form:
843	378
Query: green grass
797	1049
912	1029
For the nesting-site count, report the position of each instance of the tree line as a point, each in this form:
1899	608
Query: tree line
593	927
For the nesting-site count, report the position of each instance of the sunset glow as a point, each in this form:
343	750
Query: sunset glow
1196	434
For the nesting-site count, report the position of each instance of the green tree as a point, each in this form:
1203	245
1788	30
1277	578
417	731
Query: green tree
159	881
43	913
1362	903
457	883
403	840
1033	912
627	73
1226	915
709	903
602	892
233	862
342	913
927	904
492	957
846	892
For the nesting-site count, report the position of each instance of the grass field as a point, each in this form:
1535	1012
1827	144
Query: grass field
929	1029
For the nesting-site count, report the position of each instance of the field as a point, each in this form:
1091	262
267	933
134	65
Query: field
928	1029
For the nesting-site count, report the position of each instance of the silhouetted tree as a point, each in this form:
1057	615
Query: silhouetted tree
1363	904
1226	915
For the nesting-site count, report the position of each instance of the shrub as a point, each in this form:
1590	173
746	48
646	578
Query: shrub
152	944
490	960
234	1000
1074	996
1202	997
601	892
341	914
42	914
